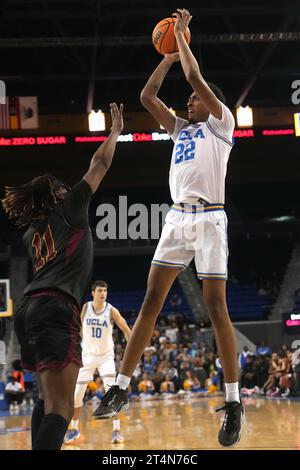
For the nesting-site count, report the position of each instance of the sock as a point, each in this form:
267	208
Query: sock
232	392
51	433
74	424
116	425
36	419
123	381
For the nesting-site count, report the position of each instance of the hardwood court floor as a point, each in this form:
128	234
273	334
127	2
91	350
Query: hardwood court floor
188	423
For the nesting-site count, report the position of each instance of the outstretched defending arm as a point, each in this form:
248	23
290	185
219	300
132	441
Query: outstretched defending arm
102	158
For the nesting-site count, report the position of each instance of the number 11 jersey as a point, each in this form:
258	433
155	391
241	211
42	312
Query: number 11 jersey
61	246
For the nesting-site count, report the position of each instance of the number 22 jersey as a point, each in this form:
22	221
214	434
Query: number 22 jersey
199	159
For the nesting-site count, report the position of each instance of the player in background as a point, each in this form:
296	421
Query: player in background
47	320
98	318
202	145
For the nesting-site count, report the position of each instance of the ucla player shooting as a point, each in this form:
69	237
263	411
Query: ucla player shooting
202	145
97	318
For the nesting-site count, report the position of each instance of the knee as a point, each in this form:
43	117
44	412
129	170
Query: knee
217	309
63	408
153	301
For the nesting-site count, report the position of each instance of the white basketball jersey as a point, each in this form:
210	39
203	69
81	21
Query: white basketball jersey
199	159
97	330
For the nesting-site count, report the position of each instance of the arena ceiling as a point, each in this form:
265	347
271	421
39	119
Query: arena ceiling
80	54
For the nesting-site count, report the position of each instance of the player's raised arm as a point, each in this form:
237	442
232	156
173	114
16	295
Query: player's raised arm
149	98
102	158
191	68
121	323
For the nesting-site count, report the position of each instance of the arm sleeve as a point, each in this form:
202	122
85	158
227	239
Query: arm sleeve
226	124
76	205
179	125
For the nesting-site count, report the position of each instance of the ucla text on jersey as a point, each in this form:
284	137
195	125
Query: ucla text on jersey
185	152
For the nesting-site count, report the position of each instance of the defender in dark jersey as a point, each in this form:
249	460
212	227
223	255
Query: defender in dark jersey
47	320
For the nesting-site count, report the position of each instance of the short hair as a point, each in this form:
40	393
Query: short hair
96	284
217	91
33	200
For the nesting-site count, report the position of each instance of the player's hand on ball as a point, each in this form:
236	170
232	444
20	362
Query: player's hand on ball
116	113
174	57
183	18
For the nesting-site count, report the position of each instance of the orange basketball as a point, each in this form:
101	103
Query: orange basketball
163	36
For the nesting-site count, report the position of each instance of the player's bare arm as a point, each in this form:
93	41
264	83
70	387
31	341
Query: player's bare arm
191	68
149	98
102	158
83	311
121	323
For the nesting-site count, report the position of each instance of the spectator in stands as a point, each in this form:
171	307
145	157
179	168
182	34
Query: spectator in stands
243	357
167	386
149	361
29	386
272	373
172	372
190	383
163	364
192	349
146	386
172	332
261	366
184	334
248	378
13	393
263	350
157	378
93	387
220	371
183	367
184	356
174	352
199	370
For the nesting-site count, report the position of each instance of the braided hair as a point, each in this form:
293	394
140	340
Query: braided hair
33	200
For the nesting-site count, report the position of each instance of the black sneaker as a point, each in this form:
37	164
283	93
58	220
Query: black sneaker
230	432
114	401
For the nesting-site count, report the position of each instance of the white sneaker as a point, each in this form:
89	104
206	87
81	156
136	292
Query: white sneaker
117	437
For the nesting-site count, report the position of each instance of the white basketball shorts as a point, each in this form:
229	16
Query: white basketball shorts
195	232
105	363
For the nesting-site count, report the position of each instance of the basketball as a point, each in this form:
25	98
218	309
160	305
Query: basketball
163	36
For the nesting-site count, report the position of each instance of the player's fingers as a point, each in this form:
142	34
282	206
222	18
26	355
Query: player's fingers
121	109
113	110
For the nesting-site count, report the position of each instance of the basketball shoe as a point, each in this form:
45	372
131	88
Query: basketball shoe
71	435
114	401
230	432
117	437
